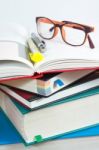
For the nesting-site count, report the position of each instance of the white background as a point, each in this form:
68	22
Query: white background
24	12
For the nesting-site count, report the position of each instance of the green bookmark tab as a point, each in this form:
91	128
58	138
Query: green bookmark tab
38	138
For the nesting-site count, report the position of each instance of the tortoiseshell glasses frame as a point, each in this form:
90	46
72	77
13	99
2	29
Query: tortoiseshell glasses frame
48	29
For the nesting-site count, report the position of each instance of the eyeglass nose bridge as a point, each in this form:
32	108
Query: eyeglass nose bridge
56	27
59	26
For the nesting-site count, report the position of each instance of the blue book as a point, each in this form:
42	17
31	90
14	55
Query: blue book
9	134
91	131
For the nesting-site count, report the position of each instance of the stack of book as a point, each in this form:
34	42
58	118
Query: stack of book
54	99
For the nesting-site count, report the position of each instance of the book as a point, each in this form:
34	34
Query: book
14	137
71	114
35	101
8	133
87	132
49	83
1	97
15	61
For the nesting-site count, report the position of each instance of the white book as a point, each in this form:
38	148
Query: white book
34	101
14	58
49	83
73	114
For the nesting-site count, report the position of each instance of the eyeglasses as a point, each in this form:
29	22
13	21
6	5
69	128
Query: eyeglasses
72	33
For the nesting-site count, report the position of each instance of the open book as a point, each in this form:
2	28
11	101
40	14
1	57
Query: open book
14	60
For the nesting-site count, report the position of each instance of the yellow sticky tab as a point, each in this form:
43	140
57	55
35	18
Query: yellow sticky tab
36	57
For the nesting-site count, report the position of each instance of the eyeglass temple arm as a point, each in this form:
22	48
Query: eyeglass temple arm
91	44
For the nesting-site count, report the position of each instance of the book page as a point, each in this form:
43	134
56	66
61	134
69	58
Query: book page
56	50
13	59
13	32
61	56
8	50
13	45
12	51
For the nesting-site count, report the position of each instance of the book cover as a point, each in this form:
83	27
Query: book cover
8	133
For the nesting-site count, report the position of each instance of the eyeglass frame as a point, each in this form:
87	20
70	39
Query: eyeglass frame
60	24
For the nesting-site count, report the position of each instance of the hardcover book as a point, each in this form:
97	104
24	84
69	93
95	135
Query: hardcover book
14	137
34	101
63	117
49	83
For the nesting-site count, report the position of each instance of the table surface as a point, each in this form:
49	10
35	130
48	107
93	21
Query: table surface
73	144
24	12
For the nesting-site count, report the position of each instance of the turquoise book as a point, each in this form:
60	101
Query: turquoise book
70	117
